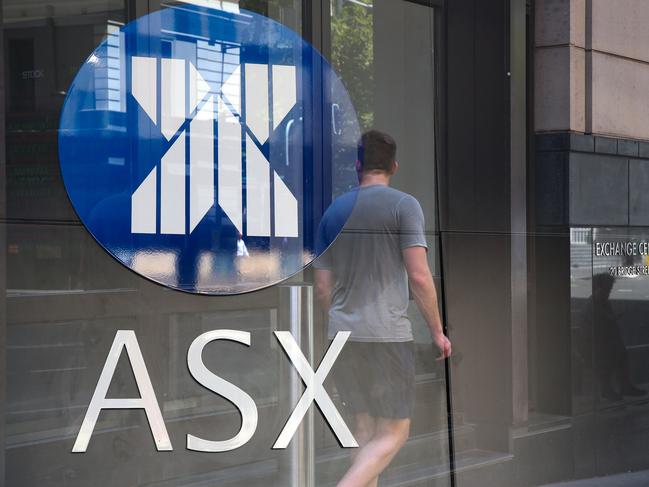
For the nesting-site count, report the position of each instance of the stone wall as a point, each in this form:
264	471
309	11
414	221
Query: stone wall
592	67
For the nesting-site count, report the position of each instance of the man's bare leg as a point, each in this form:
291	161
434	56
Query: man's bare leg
363	433
378	452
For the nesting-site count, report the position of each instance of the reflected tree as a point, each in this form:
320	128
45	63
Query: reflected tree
352	54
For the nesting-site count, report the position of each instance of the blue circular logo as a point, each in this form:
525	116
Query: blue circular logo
200	147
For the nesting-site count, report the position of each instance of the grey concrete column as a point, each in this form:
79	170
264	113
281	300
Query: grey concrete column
475	217
560	65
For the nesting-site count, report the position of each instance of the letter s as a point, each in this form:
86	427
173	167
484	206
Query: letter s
211	381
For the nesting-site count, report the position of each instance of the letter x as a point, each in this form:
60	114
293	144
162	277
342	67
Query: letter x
314	390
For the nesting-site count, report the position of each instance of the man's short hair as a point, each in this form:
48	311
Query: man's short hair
377	151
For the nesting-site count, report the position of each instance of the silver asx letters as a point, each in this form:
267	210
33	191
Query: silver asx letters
313	380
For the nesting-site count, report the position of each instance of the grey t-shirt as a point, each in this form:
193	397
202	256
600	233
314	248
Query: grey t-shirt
370	293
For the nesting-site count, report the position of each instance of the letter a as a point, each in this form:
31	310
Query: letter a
147	401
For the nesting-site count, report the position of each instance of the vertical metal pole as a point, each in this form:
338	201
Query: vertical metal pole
295	385
301	450
309	439
518	207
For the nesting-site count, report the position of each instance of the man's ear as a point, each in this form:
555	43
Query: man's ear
359	166
395	168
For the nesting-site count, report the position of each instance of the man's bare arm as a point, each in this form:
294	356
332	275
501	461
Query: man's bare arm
323	287
423	290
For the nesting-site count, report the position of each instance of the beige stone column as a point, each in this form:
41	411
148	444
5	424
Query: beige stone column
560	66
618	45
592	67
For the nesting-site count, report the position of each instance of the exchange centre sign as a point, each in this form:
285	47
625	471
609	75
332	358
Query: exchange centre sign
634	256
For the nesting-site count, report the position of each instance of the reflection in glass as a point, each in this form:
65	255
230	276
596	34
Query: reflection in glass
382	51
67	297
362	280
609	351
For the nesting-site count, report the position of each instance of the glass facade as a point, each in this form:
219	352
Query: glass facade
66	298
537	248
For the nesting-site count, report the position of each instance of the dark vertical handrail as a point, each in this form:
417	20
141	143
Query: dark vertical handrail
439	42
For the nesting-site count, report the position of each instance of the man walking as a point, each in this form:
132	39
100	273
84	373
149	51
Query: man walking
362	279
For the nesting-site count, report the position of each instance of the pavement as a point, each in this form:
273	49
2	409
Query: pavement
631	479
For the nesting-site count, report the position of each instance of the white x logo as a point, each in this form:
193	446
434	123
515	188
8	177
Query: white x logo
314	390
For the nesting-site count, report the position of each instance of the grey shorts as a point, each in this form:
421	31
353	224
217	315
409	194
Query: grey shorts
377	378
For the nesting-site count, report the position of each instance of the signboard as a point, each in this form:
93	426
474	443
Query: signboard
200	147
